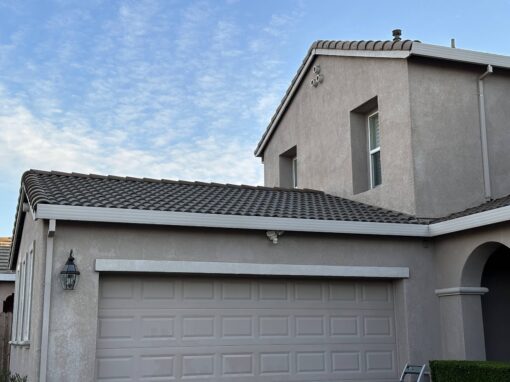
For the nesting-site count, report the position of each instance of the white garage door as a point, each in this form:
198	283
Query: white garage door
236	329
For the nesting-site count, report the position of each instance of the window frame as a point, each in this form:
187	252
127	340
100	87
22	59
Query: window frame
374	151
21	320
294	172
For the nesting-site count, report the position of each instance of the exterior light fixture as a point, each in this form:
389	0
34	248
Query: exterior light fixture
69	275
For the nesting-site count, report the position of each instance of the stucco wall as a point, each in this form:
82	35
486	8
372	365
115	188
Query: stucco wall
446	135
460	260
74	313
318	123
25	359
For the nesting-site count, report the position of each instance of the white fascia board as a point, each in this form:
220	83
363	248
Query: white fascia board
462	55
186	219
247	269
8	277
496	215
363	53
288	98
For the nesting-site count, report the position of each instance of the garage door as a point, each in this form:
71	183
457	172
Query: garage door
237	329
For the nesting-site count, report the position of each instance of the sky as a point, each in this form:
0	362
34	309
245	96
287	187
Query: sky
180	89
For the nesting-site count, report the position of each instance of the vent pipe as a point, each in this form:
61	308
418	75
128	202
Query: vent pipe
483	134
397	33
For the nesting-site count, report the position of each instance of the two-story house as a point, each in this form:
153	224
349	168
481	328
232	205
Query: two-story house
381	237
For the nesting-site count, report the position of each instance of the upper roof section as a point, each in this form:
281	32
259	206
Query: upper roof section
66	189
400	49
5	248
364	45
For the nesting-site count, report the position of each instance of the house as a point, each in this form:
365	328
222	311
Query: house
6	298
381	236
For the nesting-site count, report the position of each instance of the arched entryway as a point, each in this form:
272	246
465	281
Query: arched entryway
496	304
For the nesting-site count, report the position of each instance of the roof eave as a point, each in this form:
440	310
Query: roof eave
460	55
187	219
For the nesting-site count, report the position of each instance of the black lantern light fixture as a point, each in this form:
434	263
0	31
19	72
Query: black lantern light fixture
69	275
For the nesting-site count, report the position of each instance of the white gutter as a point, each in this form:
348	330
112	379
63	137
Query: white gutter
119	215
185	219
483	134
46	301
247	269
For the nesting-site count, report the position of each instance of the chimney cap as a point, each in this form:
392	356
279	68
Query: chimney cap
397	33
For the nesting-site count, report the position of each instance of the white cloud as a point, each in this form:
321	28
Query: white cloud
29	142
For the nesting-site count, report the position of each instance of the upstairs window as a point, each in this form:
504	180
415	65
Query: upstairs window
289	168
23	298
365	146
374	148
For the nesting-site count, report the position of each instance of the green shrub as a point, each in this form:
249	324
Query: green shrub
6	376
470	371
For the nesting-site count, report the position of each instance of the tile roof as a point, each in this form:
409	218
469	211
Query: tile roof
59	188
487	206
369	45
5	248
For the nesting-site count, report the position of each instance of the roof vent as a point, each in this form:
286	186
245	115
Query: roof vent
396	34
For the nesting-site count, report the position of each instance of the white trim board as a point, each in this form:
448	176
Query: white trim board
186	219
247	269
7	277
456	291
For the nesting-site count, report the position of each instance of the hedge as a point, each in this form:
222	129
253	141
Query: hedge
6	376
470	371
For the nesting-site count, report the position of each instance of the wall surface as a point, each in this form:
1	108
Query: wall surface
74	313
460	261
446	135
318	123
25	358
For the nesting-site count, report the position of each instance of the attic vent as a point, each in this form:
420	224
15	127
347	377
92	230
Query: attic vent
397	33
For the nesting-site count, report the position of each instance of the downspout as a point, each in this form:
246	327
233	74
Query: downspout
46	301
483	134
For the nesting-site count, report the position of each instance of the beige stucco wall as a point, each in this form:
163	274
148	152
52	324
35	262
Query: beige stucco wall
446	135
460	260
428	327
74	313
317	121
430	132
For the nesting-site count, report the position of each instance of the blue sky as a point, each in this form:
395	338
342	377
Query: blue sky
180	89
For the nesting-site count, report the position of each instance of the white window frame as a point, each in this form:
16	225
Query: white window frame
294	172
372	152
23	298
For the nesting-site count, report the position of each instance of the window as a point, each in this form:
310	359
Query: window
365	146
23	298
374	149
288	168
294	172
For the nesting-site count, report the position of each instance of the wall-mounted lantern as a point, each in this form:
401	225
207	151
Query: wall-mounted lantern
69	275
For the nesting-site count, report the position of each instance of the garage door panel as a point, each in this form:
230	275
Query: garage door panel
120	292
220	329
313	362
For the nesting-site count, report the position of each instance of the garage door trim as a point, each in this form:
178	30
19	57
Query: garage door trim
224	268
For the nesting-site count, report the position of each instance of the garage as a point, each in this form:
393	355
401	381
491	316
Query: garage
162	328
